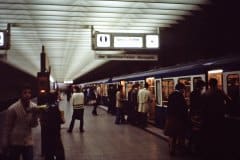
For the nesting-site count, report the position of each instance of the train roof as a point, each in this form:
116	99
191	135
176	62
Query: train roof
193	68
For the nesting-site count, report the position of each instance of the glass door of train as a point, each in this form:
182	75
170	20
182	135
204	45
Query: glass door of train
231	86
217	74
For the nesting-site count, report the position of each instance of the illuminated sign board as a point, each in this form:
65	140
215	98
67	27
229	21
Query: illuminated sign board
127	42
116	41
1	38
152	41
4	40
103	40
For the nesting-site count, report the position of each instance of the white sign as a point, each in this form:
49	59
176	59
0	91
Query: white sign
1	39
103	40
128	42
152	41
127	57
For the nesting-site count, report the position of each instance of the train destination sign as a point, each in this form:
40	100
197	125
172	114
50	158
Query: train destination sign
127	57
116	41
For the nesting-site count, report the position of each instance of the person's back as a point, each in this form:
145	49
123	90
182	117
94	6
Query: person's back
213	121
215	101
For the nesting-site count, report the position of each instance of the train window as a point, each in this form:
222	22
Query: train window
218	75
233	85
187	82
158	92
195	79
167	89
151	82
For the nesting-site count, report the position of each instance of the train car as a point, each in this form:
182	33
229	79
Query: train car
162	82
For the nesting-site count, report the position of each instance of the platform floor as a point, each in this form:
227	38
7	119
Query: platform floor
104	140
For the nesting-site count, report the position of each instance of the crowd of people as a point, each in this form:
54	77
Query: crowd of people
201	121
203	117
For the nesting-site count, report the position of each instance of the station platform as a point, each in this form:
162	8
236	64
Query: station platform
104	140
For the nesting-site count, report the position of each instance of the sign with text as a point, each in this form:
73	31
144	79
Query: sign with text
128	42
127	57
103	40
116	41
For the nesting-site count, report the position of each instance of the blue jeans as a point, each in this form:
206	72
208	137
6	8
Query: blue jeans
17	151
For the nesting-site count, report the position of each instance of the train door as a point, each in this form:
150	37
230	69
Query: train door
151	82
218	74
195	79
167	88
129	86
231	86
158	92
187	82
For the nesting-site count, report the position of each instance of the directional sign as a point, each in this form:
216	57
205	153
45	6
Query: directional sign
103	40
152	41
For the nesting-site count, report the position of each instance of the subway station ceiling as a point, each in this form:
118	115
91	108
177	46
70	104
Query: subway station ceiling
65	28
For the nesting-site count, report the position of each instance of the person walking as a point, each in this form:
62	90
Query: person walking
78	108
22	116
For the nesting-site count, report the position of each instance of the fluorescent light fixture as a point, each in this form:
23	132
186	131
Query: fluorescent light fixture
1	38
152	41
103	40
68	82
215	71
128	42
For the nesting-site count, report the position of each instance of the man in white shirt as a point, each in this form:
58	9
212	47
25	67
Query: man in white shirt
78	108
144	103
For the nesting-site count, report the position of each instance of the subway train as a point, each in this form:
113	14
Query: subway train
163	80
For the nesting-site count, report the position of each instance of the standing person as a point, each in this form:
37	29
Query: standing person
112	99
54	146
177	118
22	116
215	101
134	96
196	108
133	104
144	103
69	93
78	108
119	106
94	100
